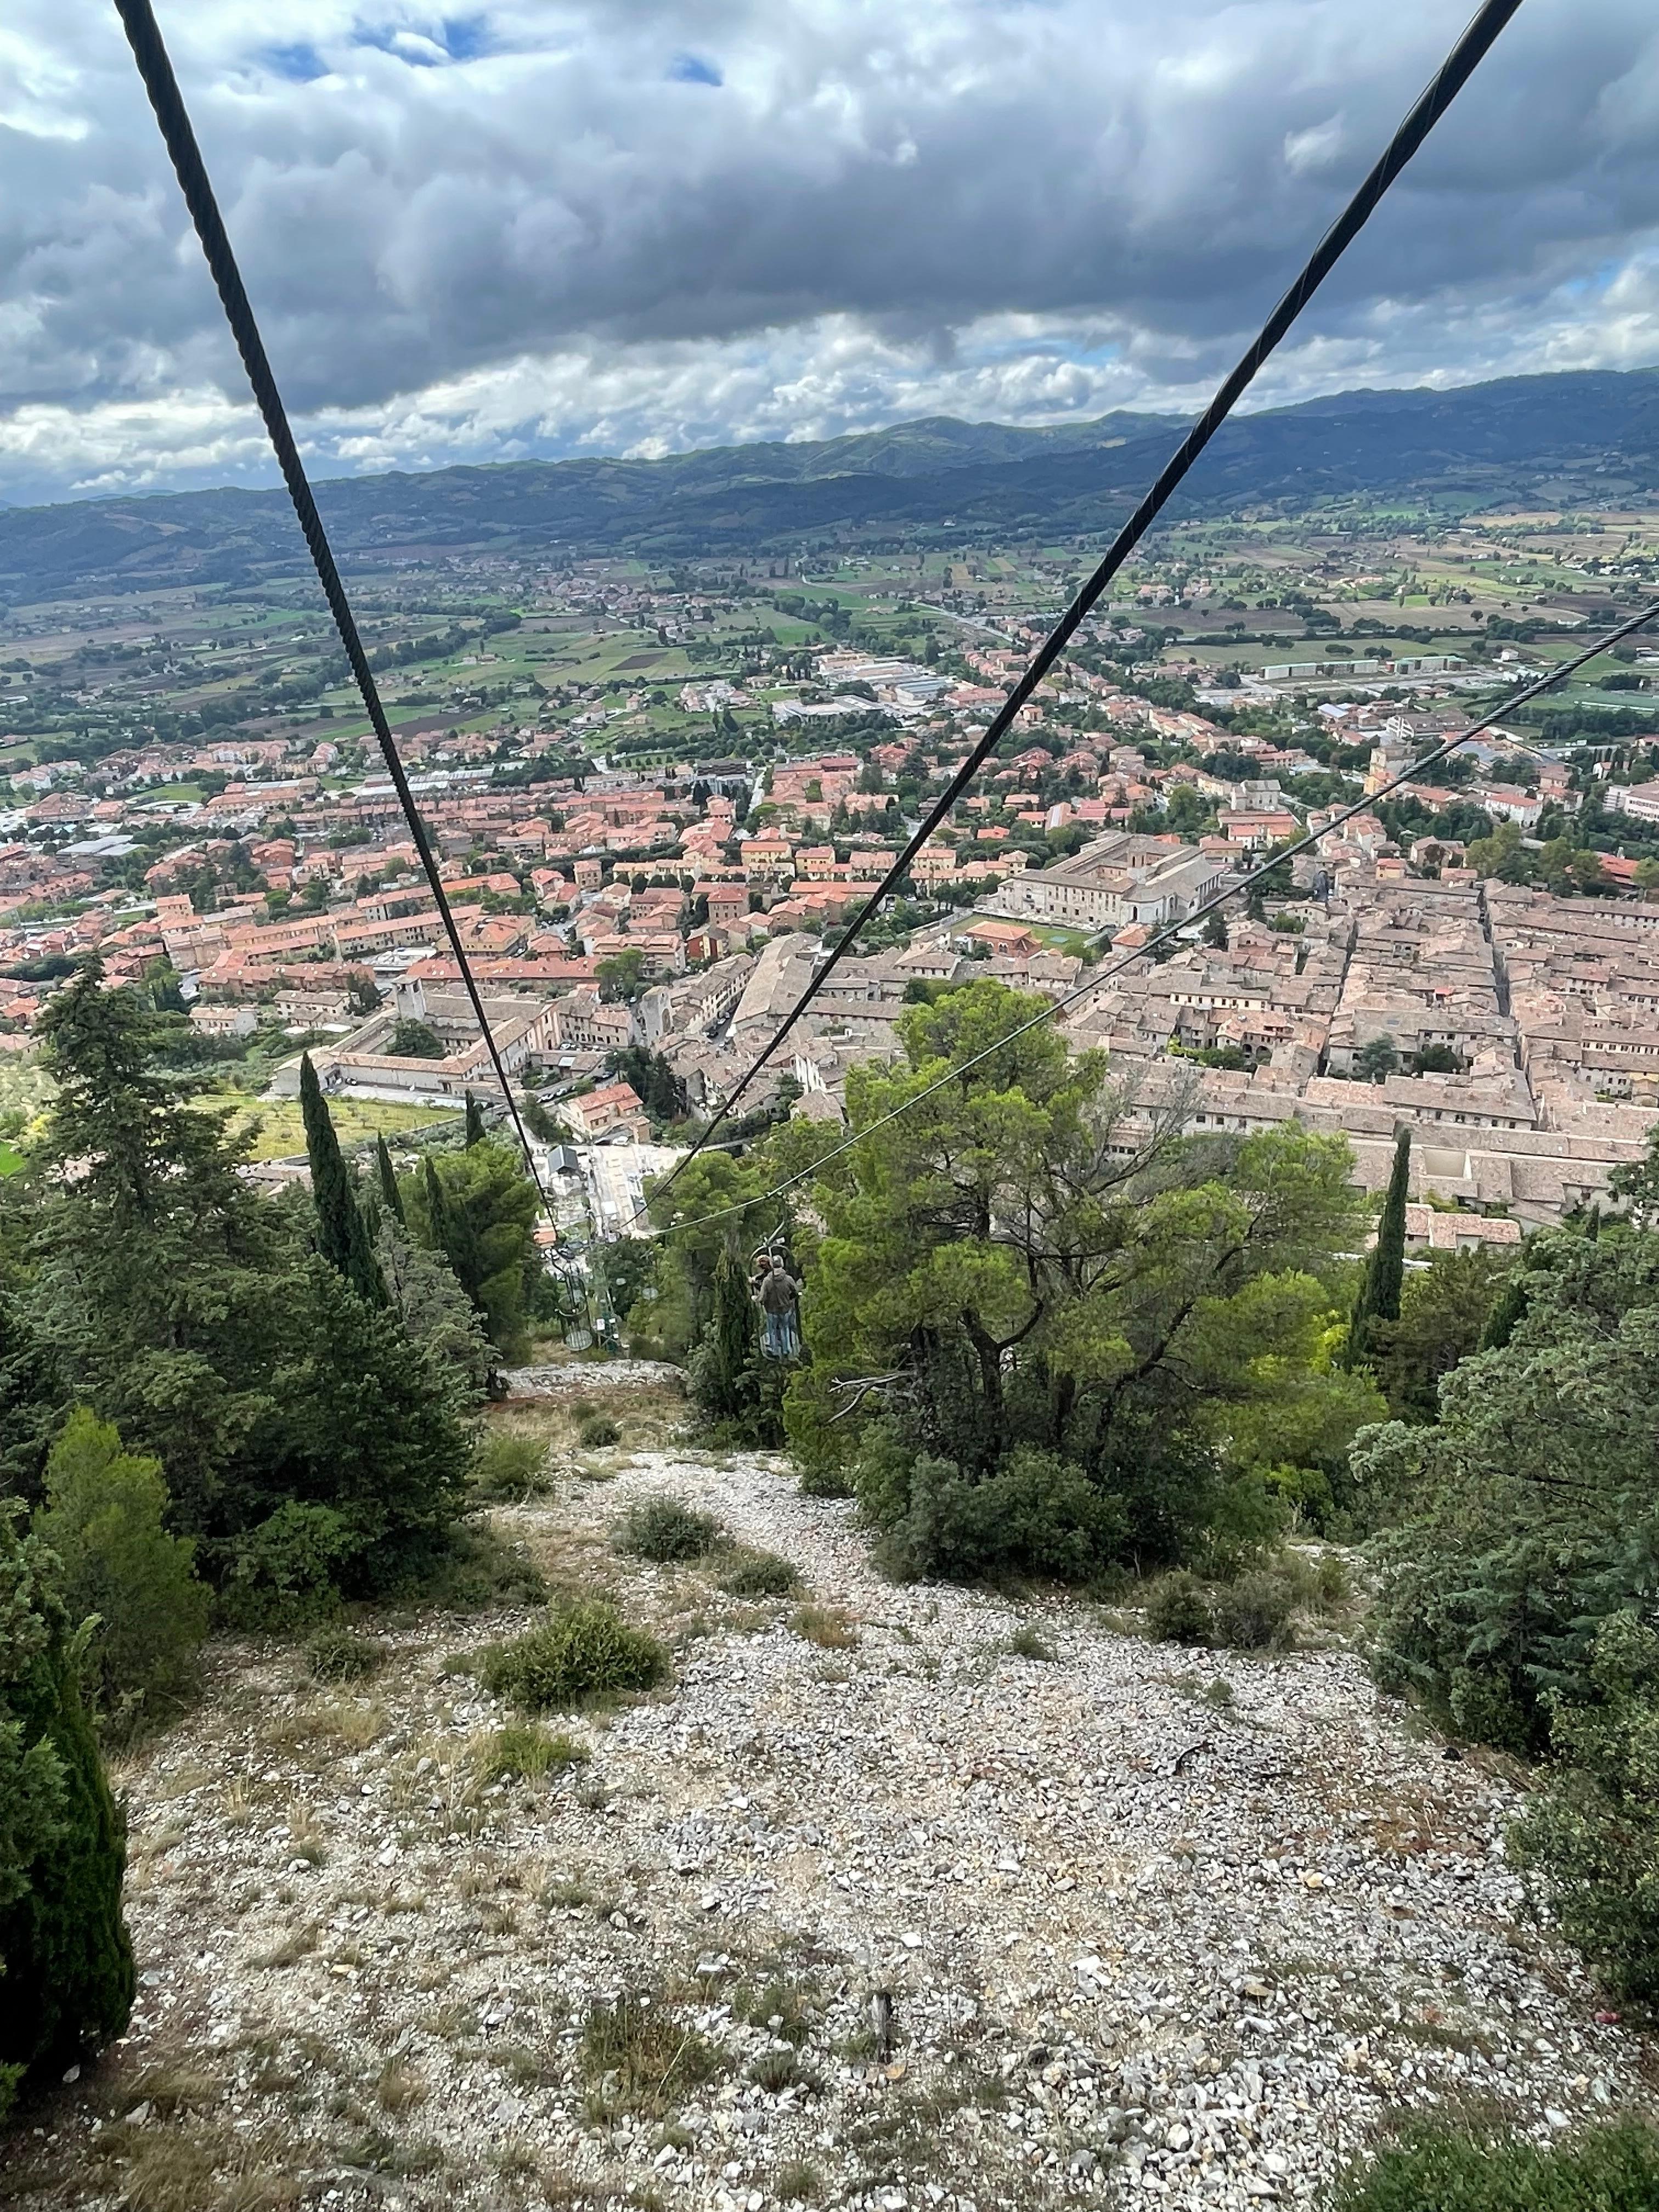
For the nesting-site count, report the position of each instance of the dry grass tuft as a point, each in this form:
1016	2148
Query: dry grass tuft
826	1625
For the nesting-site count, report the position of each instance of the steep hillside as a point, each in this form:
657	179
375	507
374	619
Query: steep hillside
1152	1923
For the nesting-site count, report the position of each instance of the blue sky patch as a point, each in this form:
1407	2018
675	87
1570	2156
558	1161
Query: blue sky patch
299	63
692	68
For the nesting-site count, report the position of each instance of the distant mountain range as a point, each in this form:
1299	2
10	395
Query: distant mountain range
1582	438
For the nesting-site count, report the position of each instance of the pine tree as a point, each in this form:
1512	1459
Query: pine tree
342	1234
1215	931
390	1193
475	1121
1385	1271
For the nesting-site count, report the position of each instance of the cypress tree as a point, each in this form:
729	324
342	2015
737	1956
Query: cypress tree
733	1330
342	1235
475	1121
1385	1272
66	1970
453	1234
389	1191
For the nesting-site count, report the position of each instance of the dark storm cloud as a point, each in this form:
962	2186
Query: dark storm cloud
420	199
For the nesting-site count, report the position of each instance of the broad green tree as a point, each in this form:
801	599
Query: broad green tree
478	1208
1108	1308
309	1446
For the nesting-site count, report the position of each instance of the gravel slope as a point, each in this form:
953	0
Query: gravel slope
1145	1936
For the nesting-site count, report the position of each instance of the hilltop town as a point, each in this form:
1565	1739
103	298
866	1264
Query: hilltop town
659	796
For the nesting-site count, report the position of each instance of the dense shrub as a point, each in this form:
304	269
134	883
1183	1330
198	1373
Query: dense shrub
1037	1514
664	1529
1442	2169
1253	1612
583	1648
1527	1513
103	1519
1591	1835
1177	1611
506	1464
747	1573
595	1434
66	1972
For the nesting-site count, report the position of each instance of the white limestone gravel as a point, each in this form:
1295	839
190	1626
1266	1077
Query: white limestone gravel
1159	1926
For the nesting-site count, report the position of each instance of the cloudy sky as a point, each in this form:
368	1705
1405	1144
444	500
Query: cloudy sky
556	227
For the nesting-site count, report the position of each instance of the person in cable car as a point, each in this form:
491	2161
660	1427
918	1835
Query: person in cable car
778	1295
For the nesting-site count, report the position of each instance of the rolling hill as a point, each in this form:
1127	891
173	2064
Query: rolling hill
1577	438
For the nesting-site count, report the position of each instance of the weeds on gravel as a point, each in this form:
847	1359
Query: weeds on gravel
776	2070
788	2009
1029	1642
338	1653
583	1648
1613	2169
640	2057
665	1529
196	2167
398	2086
524	1750
825	1626
299	1943
305	1836
480	1572
796	2182
748	1573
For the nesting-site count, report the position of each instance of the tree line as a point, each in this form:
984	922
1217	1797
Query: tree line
217	1406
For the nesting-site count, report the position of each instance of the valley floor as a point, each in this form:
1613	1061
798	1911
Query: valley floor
1189	1927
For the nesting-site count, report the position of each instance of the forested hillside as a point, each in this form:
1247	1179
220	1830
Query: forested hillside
1582	435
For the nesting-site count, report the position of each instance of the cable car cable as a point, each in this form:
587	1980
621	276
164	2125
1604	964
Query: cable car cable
144	37
1460	65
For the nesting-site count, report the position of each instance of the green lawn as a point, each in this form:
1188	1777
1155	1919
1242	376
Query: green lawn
11	1160
356	1121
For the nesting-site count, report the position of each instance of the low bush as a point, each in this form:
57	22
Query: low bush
338	1653
525	1751
664	1529
1177	1611
477	1571
1038	1514
1029	1642
747	1573
103	1516
595	1434
583	1648
506	1464
1441	2169
1254	1611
